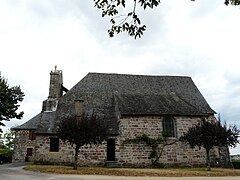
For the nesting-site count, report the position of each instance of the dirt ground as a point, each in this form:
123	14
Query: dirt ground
14	171
90	177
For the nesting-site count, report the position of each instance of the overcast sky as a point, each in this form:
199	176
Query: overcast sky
198	39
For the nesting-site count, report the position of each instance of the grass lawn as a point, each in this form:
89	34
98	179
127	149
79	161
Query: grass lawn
170	172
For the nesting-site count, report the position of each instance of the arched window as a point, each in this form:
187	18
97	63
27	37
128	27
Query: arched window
168	126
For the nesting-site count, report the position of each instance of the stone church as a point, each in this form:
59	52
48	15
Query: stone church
132	105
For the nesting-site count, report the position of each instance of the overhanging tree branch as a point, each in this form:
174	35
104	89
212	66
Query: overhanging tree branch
131	23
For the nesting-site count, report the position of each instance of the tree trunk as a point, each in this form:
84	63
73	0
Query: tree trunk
156	161
160	151
76	157
208	160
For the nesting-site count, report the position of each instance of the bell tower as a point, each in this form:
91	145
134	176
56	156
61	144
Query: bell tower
55	91
56	81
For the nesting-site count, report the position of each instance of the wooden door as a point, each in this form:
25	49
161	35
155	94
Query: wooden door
111	150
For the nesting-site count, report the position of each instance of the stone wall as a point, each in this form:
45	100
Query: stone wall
21	143
88	155
127	154
43	154
178	154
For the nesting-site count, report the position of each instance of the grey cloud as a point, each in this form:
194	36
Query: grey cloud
201	9
168	47
232	78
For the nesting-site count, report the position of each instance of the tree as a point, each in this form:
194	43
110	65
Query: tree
83	130
157	144
9	136
9	99
208	134
6	146
130	22
1	141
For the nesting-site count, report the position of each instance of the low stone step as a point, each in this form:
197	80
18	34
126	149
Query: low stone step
113	164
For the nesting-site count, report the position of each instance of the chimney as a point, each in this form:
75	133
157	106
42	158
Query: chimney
56	81
55	91
79	110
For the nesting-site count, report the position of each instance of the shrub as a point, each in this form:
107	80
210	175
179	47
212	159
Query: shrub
7	152
236	164
6	155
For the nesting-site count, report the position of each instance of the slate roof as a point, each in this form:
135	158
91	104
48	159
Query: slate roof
118	94
42	123
115	95
31	124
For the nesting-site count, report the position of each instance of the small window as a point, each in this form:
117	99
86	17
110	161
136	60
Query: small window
29	151
168	126
54	144
32	135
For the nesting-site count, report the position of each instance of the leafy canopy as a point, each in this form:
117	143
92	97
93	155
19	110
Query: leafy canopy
208	134
82	130
9	99
87	129
130	21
